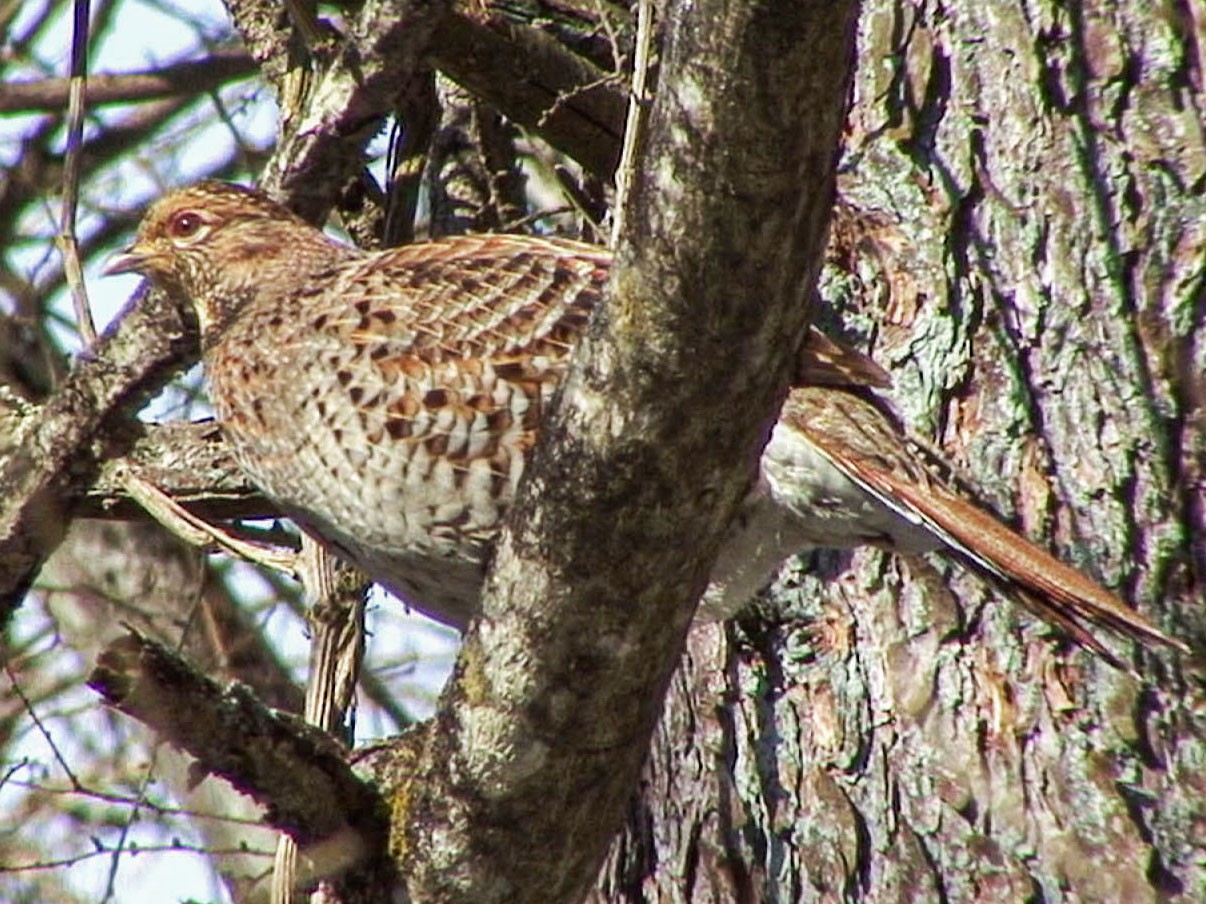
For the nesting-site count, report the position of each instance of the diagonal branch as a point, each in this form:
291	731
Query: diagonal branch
535	81
521	779
296	770
132	362
355	87
188	77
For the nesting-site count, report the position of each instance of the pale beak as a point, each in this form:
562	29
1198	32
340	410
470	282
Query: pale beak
126	261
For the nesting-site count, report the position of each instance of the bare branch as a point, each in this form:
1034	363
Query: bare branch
68	245
189	461
133	361
537	745
197	532
177	846
535	81
352	93
188	77
300	773
336	617
638	100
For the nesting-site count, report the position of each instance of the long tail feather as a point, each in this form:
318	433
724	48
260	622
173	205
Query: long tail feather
859	440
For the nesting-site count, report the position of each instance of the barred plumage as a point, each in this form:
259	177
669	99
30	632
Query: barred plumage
388	400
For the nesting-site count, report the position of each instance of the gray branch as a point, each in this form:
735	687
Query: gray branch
535	81
130	363
523	775
298	772
185	77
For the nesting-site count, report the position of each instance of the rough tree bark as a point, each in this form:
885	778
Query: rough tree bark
593	586
1028	179
513	790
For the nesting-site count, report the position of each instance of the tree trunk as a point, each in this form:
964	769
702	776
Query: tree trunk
1023	189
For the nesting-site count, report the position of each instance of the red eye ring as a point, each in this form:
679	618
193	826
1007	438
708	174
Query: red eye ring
184	224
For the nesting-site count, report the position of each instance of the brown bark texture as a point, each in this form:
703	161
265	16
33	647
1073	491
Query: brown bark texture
1027	183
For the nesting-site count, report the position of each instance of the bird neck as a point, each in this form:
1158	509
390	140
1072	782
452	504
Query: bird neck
264	270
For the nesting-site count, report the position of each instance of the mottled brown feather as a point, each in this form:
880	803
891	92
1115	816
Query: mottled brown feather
388	401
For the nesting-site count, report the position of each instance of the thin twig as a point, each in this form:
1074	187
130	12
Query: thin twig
189	76
68	245
638	100
124	800
25	702
564	97
375	689
336	619
176	846
132	815
195	531
524	221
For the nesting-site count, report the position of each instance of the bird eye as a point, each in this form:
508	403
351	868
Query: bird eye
184	225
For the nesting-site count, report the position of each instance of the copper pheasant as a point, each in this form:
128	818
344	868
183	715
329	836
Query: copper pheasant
387	402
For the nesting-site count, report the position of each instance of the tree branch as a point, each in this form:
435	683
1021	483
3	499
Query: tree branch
295	770
189	77
535	81
523	775
189	461
353	92
131	362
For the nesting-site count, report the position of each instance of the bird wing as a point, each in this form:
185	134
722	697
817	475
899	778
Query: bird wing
520	298
481	296
826	362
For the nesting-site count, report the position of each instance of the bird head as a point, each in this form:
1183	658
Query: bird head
216	244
